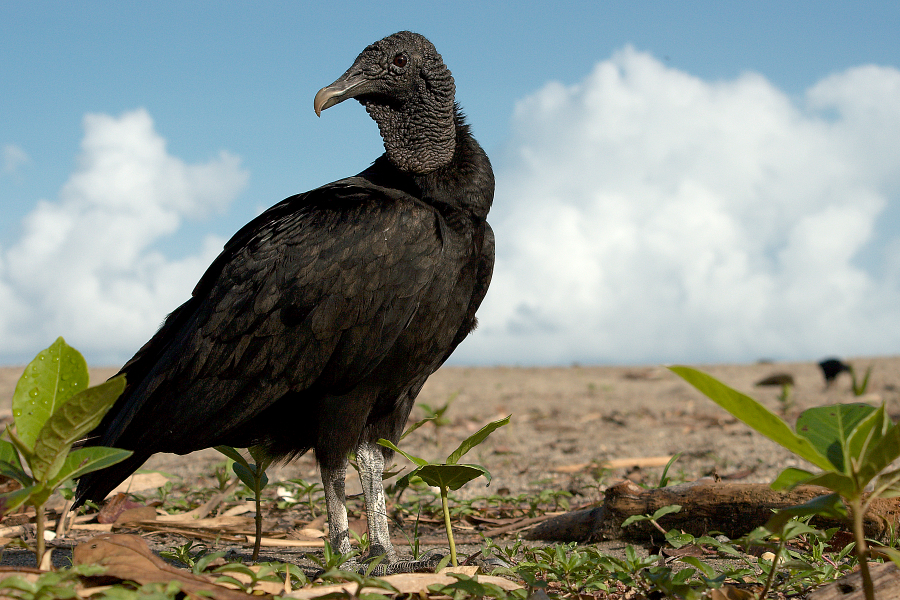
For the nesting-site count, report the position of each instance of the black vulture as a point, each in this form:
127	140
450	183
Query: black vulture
831	368
320	321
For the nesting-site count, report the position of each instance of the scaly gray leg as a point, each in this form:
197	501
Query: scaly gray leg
335	499
371	466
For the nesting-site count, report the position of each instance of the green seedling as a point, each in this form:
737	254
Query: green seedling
859	386
253	475
852	444
449	475
53	408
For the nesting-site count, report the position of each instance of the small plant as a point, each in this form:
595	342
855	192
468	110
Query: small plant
851	443
53	408
449	475
187	554
254	477
859	386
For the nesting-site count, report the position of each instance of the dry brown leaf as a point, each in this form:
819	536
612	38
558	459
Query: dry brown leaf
288	543
129	558
223	522
115	506
729	592
131	515
406	583
139	482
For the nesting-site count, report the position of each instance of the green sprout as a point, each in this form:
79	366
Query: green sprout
852	444
449	475
53	408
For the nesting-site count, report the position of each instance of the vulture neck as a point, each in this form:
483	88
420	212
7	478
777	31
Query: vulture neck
464	181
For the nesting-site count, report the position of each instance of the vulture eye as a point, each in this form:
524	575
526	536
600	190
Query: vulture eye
400	60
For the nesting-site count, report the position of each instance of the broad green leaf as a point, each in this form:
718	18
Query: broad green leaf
891	553
418	424
248	475
887	485
245	474
451	477
828	428
753	414
71	422
845	485
26	451
15	471
88	459
475	439
259	454
827	506
790	478
414	459
881	454
9	455
55	375
866	434
10	501
233	455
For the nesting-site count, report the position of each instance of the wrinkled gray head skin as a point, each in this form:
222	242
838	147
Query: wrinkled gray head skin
405	86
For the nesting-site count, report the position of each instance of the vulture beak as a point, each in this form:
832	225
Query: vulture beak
346	87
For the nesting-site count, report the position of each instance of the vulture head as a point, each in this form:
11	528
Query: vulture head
406	88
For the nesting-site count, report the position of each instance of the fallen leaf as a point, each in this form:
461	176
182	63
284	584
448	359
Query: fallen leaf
405	583
128	557
115	506
140	482
140	513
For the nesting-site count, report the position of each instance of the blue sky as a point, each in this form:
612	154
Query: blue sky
691	182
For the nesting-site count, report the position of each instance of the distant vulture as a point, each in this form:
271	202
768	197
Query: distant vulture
831	368
320	321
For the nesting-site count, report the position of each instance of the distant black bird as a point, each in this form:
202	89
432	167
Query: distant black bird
322	318
831	368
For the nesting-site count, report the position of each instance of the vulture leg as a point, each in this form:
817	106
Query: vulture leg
335	504
371	466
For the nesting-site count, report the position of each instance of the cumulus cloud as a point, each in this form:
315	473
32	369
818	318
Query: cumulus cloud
85	265
647	215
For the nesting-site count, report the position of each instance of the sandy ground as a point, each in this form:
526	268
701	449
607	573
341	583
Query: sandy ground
567	421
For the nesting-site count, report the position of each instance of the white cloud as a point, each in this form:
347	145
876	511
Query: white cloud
646	215
84	266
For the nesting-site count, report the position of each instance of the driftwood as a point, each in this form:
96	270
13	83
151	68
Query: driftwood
885	580
730	508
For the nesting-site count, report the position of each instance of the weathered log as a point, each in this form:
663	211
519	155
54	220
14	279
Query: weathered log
885	581
706	506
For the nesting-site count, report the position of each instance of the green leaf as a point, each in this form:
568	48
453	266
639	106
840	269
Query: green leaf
233	455
845	485
475	439
88	459
866	434
881	454
12	472
887	485
49	381
9	456
753	414
451	477
245	474
829	506
790	478
71	421
828	428
10	501
414	459
25	451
